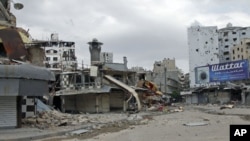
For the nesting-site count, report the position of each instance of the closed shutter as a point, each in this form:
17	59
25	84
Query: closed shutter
8	111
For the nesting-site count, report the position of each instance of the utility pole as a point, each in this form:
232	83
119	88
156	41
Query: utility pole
165	79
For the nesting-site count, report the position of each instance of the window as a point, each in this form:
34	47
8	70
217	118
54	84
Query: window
226	40
47	51
233	51
243	33
54	51
225	33
235	39
226	53
54	58
227	58
241	49
47	58
234	32
226	46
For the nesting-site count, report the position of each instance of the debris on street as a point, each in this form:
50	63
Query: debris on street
230	106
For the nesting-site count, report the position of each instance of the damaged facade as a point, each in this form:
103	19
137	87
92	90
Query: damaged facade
17	73
90	89
214	46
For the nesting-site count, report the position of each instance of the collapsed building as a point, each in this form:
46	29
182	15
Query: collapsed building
104	87
21	74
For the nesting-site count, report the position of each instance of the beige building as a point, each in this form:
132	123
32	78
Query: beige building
241	51
159	66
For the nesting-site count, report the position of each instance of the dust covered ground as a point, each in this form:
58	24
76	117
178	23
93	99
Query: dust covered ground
195	123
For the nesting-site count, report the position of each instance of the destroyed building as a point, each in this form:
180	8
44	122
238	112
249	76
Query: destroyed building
20	74
93	89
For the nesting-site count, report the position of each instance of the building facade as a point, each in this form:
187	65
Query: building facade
203	49
106	57
59	55
229	37
241	51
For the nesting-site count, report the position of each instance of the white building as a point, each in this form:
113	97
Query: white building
203	49
229	37
60	55
106	57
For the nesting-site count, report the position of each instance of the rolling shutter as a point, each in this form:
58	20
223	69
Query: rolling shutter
8	111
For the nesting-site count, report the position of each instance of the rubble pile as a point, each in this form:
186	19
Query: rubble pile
152	98
49	119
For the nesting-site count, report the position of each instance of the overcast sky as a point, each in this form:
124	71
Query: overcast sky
144	31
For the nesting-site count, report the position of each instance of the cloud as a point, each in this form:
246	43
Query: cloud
145	31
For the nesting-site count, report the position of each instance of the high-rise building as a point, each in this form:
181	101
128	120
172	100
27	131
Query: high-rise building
229	37
209	45
203	49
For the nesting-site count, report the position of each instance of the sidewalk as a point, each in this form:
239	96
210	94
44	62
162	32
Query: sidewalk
26	134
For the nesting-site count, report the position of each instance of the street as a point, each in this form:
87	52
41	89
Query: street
195	123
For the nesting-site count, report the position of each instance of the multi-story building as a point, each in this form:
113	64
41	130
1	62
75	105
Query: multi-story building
241	51
208	45
203	49
60	55
106	57
166	76
230	37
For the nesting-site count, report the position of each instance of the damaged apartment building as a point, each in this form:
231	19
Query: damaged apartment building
22	73
165	75
209	47
103	87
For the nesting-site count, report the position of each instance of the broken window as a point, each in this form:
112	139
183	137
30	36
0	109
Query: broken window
225	33
241	49
54	51
234	32
235	39
243	33
227	58
226	40
206	42
233	51
47	58
226	46
197	50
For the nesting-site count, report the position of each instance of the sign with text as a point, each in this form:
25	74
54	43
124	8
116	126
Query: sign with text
236	70
239	132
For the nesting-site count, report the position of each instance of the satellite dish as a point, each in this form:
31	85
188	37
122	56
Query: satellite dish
18	6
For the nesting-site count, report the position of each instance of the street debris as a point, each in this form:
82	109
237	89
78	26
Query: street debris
49	119
78	132
230	106
196	124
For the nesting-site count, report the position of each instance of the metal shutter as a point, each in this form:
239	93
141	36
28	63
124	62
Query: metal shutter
8	111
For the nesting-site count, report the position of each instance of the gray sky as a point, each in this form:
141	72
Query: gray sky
143	30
